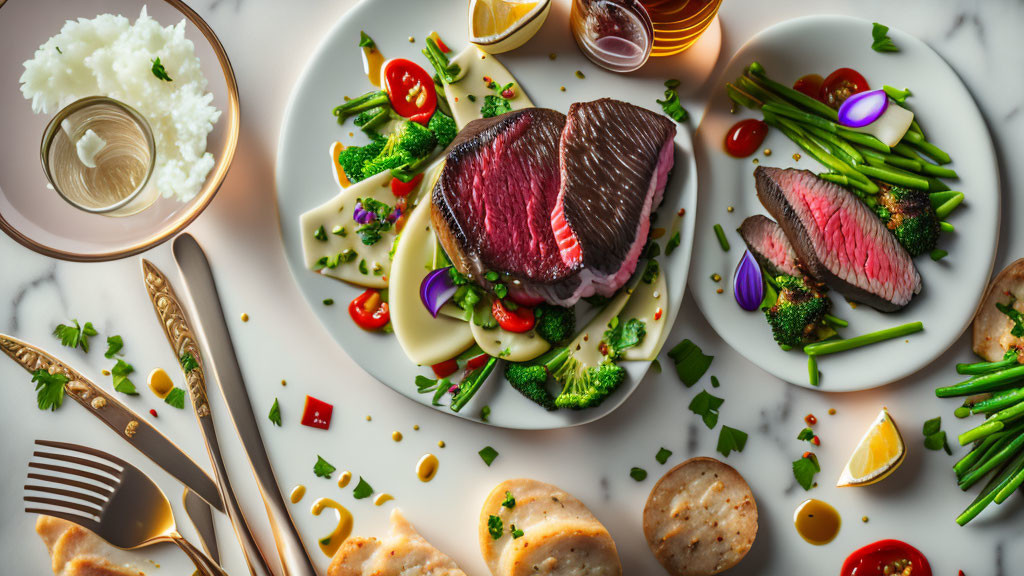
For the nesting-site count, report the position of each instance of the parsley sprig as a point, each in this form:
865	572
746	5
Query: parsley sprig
49	389
75	336
880	39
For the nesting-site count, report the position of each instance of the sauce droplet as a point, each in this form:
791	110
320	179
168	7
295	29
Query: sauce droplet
382	498
329	544
745	137
440	444
297	493
426	468
344	479
160	383
396	436
816	522
245	317
372	62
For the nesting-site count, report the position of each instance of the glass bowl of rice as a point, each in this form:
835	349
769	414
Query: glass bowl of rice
159	58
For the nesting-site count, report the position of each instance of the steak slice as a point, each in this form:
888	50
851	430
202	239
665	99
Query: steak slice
839	240
491	206
769	245
614	161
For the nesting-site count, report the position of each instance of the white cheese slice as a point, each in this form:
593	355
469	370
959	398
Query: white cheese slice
645	303
589	340
475	64
891	126
511	346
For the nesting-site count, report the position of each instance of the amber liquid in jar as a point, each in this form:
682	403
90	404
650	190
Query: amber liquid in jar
679	23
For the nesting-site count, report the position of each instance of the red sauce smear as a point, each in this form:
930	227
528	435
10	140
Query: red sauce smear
873	559
745	137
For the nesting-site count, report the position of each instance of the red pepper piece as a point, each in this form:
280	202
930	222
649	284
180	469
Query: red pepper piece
317	413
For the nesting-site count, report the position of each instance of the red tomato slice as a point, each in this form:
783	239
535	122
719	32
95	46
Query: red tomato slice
872	559
402	189
368	311
317	413
410	89
809	85
840	85
477	362
519	320
446	368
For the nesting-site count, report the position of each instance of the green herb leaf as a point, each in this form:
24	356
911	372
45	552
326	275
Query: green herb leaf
706	406
671	106
365	41
495	527
714	382
120	373
638	474
1013	314
656	366
362	489
75	336
651	272
188	362
805	434
672	83
494	106
510	500
275	413
932	426
515	532
159	71
691	362
323	469
491	276
49	389
114	345
622	336
730	440
176	398
672	244
899	96
485	413
880	39
804	470
488	455
934	436
663	455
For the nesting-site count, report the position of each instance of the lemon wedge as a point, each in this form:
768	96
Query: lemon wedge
497	26
878	454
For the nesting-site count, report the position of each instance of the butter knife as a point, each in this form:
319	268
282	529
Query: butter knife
201	290
119	418
201	515
179	334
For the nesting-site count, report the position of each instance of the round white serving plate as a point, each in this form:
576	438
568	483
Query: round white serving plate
304	178
950	119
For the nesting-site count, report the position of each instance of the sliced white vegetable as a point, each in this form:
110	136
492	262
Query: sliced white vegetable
475	64
426	340
891	126
644	304
519	347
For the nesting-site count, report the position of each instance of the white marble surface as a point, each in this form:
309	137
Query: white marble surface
268	43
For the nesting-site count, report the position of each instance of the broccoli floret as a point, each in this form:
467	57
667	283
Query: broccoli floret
360	104
587	386
354	158
408	143
555	324
910	217
530	378
799	312
443	127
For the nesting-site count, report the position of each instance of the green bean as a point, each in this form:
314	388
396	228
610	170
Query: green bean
975	455
927	148
988	494
979	432
722	240
998	401
836	321
946	226
983	383
938	171
1011	486
812	371
876	158
833	346
894	176
800	115
866	140
992	462
742	98
755	90
840	179
799	98
947	207
838	142
801	140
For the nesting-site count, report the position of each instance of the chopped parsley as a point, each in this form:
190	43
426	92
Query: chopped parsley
176	398
497	104
500	290
621	336
651	271
638	474
495	527
49	389
58	50
730	440
673	243
75	336
900	96
362	490
510	500
320	234
370	233
1007	309
114	345
491	276
714	382
670	105
188	362
663	455
275	413
120	373
880	39
365	41
804	470
488	455
805	434
159	71
515	532
328	301
323	468
485	413
339	230
706	406
934	436
691	363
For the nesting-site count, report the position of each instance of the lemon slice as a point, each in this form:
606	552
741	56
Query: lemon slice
878	454
497	26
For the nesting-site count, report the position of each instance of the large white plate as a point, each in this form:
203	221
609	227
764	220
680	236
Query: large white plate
950	118
304	179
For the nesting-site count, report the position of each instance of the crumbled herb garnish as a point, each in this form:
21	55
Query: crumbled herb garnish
714	382
934	436
670	105
323	468
730	440
1014	315
652	250
937	254
114	345
58	50
159	71
75	336
706	406
672	244
804	470
880	39
691	362
488	455
491	276
362	267
120	373
651	271
500	290
663	455
370	233
275	413
621	336
638	474
49	389
510	500
365	41
515	532
339	230
176	398
328	301
900	96
494	106
320	234
495	527
485	413
471	98
580	75
805	434
362	489
188	362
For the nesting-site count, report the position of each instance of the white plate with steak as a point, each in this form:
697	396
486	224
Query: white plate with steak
873	282
507	228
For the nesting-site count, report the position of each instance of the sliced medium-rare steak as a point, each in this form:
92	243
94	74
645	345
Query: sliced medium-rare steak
614	159
838	239
769	245
491	206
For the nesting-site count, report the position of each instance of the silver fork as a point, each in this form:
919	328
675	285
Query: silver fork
121	504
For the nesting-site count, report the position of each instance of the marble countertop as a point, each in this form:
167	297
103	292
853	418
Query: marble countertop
269	43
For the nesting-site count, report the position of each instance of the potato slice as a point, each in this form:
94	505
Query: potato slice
991	334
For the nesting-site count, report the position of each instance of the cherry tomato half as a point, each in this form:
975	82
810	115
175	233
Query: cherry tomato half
840	85
873	559
402	189
410	89
446	368
317	413
745	137
519	320
809	85
368	311
477	362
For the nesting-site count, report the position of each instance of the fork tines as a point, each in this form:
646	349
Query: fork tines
94	482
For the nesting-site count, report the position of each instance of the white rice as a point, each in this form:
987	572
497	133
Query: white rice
109	56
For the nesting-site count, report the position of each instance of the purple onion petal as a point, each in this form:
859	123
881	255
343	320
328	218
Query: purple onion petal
863	108
748	283
436	289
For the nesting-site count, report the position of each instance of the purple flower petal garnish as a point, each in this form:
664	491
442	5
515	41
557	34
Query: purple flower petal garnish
863	108
748	283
